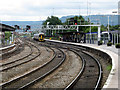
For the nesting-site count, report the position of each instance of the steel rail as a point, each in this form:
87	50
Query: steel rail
19	77
100	70
98	63
19	58
41	77
22	62
79	74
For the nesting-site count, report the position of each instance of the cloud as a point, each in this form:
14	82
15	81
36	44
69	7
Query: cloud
33	9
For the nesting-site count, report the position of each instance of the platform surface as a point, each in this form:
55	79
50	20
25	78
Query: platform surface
7	46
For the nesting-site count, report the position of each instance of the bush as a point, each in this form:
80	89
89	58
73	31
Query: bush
117	45
100	42
109	44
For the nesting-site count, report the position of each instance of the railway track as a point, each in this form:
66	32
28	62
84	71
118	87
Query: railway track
10	62
37	74
12	50
22	60
91	70
91	73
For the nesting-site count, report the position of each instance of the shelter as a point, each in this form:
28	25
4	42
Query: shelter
4	28
73	36
115	36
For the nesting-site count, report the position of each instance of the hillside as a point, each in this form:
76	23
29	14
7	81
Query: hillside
103	19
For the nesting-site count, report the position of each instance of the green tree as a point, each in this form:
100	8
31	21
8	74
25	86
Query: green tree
80	20
103	28
116	27
53	20
93	29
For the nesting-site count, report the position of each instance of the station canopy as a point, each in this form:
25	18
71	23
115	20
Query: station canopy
115	32
71	33
4	28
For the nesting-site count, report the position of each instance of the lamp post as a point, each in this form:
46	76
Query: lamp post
90	23
108	30
108	26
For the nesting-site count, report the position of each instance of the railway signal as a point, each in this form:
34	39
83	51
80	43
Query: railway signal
17	27
28	27
75	22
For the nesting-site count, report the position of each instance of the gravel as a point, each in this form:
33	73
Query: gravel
25	52
64	74
104	63
46	55
106	72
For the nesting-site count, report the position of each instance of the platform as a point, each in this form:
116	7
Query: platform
6	50
8	46
114	53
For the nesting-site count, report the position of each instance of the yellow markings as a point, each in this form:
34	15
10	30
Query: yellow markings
41	36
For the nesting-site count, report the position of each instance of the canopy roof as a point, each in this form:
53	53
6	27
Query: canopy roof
4	28
71	33
115	32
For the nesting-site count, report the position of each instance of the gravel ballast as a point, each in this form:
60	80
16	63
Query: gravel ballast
45	56
64	74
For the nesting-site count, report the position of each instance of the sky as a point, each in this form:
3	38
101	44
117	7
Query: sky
37	10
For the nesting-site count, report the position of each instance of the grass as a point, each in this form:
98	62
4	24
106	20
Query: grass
7	35
109	67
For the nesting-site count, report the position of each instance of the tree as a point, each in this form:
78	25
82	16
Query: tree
80	20
53	20
103	28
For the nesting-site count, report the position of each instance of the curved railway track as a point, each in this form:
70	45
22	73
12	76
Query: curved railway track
37	74
11	51
90	75
3	64
22	60
91	72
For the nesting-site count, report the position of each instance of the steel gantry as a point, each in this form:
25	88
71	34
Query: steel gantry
55	28
61	28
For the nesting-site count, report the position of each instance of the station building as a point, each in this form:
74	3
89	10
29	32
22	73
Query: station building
4	28
91	38
113	36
